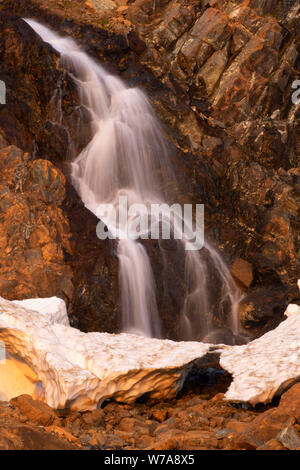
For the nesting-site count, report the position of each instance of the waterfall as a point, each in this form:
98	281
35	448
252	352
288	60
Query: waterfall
129	156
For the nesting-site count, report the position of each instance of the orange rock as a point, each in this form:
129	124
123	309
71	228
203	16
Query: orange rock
94	418
98	439
290	402
160	415
241	270
273	444
218	397
261	430
165	444
63	434
237	426
193	439
36	411
33	227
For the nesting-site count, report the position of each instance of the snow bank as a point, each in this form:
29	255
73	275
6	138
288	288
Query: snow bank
49	360
266	365
81	370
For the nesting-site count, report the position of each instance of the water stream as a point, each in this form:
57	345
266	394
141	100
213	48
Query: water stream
129	157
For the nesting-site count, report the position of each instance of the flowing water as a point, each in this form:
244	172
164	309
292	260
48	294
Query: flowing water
128	156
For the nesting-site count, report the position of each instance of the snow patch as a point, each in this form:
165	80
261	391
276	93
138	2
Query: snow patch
50	360
81	370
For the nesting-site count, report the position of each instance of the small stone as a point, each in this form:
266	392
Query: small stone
98	440
203	439
36	411
289	438
62	433
94	418
290	402
273	444
114	442
165	444
222	433
241	270
236	426
160	415
218	397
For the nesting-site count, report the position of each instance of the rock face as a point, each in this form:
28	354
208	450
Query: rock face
68	368
34	231
220	75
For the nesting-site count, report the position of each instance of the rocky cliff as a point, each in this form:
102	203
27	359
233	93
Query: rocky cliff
219	74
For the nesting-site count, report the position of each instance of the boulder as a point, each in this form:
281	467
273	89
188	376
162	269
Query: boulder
34	231
290	401
36	411
241	270
262	429
289	438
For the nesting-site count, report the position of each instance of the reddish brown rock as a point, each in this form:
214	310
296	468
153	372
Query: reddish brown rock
290	402
164	444
261	430
273	444
236	426
36	411
94	418
241	270
197	440
62	433
27	438
160	414
34	231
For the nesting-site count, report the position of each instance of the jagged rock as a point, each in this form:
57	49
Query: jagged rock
273	444
34	232
262	429
36	411
289	438
241	270
290	401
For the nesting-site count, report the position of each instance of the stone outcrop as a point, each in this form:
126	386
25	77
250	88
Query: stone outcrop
34	231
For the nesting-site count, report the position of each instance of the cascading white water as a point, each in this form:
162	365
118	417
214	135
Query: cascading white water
129	156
